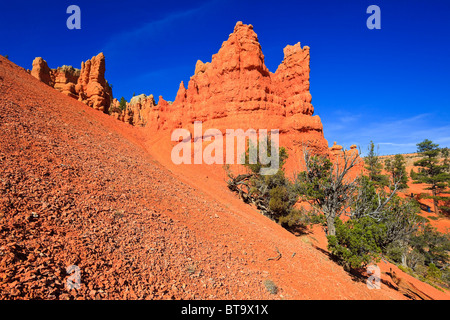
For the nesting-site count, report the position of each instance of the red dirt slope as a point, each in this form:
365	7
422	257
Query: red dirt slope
78	187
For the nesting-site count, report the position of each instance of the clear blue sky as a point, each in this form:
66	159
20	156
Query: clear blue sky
391	86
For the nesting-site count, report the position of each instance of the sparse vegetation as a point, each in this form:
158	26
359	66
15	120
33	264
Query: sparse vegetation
379	222
274	195
122	104
357	241
327	186
377	219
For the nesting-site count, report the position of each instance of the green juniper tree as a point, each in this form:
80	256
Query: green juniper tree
378	218
274	195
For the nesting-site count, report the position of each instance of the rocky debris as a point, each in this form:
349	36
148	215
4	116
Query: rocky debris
87	85
75	192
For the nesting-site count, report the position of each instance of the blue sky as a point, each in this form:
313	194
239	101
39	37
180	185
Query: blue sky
391	86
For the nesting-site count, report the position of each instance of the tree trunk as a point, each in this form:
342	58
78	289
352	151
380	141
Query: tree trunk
435	202
331	230
404	259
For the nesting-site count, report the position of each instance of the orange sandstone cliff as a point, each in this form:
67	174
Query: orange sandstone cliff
87	85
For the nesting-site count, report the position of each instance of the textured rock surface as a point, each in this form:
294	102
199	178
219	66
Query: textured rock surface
138	110
92	87
336	149
87	85
65	79
338	152
41	71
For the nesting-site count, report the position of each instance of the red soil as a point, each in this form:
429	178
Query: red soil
79	187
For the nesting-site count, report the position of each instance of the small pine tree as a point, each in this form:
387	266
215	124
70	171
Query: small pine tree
397	170
432	171
412	174
374	166
122	104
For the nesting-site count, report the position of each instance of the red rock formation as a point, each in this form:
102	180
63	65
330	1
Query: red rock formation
233	91
41	71
115	110
236	90
336	149
138	110
65	78
87	85
353	149
92	86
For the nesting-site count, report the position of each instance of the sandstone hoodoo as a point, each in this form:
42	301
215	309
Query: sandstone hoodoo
42	72
87	85
236	90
